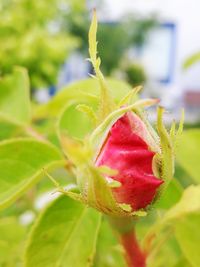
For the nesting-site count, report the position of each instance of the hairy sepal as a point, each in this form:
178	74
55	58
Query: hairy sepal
106	104
95	189
168	143
97	193
99	135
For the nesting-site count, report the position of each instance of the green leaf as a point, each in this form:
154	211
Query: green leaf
74	122
171	196
21	163
109	252
189	203
64	235
79	92
188	236
12	235
182	263
188	153
14	97
8	130
88	111
167	253
83	239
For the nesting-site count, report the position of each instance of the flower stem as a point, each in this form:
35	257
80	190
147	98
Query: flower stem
135	257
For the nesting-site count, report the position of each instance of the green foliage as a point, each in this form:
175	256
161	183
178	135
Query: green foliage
188	236
23	160
174	220
168	254
64	235
22	163
188	153
74	122
11	242
135	74
189	203
171	196
109	253
28	39
87	90
7	129
14	93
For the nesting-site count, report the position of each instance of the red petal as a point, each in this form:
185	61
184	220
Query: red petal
128	153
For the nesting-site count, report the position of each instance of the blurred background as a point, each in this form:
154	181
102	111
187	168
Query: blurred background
152	43
147	42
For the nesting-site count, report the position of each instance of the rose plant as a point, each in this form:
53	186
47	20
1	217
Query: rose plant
117	202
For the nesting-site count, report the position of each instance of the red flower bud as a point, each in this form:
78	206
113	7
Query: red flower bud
120	165
127	150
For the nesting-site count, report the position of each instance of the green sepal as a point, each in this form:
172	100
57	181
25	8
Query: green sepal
166	167
70	193
88	111
168	143
97	193
180	128
154	141
76	151
106	104
130	97
105	170
173	132
98	136
75	196
94	183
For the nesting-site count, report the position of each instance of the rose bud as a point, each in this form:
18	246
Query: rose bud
123	165
126	149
